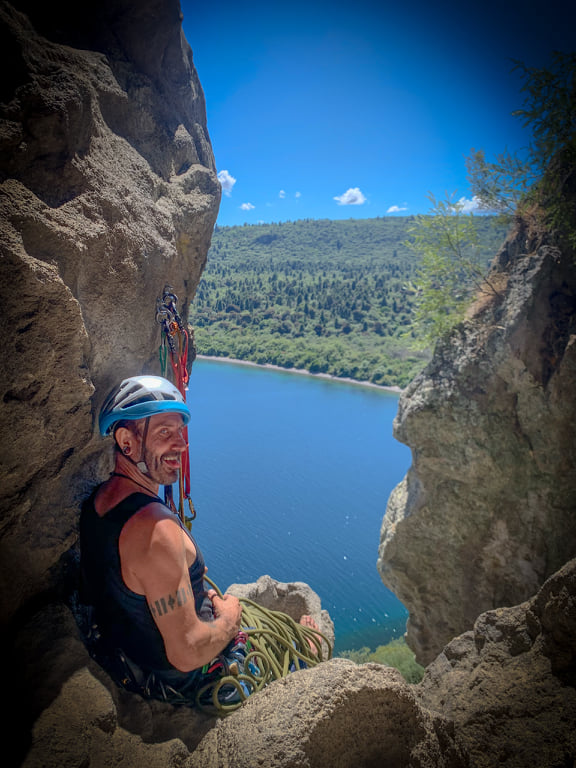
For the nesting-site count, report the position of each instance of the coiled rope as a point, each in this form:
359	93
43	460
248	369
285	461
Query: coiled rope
278	645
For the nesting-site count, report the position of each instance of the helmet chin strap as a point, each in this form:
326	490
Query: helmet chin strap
141	465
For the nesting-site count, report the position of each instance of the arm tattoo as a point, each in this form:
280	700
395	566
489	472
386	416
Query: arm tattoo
170	602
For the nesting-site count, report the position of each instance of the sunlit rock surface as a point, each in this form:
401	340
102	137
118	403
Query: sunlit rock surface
337	714
486	511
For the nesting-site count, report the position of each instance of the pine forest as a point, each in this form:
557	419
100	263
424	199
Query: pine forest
326	296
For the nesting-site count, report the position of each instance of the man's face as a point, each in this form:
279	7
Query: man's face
164	446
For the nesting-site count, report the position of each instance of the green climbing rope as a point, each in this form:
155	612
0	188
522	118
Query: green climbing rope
278	645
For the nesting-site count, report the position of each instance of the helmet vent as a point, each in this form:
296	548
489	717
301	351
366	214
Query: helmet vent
136	401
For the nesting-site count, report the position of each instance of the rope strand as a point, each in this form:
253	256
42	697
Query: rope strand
279	645
173	350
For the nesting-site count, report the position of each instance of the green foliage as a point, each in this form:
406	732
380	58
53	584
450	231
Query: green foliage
395	654
332	297
500	186
550	109
453	268
512	184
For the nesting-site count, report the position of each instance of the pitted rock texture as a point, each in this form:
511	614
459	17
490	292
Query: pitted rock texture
486	511
108	191
336	715
509	684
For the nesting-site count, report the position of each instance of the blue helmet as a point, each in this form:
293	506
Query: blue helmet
138	398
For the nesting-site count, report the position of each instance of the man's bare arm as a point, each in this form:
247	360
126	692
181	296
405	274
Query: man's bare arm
153	557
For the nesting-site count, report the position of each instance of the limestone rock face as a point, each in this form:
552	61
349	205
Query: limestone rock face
509	684
486	511
337	714
108	192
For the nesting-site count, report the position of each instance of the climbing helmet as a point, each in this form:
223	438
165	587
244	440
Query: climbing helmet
139	397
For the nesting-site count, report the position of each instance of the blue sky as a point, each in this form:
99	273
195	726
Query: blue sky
328	110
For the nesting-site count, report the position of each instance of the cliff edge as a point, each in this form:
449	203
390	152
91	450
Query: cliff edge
486	511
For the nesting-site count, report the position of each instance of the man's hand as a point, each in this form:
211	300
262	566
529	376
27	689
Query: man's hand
226	608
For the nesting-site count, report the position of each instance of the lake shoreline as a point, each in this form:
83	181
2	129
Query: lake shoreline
301	372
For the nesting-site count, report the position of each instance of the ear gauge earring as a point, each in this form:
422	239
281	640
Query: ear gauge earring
126	450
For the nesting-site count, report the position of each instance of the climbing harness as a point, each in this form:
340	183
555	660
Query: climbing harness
177	351
269	646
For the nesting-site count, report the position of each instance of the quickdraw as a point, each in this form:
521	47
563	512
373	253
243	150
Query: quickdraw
178	349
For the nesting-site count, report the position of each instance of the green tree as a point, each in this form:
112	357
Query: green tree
532	184
291	285
452	268
511	183
395	654
501	185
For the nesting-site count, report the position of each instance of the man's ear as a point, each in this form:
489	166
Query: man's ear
126	440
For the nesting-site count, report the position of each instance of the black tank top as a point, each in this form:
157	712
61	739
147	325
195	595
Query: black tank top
123	616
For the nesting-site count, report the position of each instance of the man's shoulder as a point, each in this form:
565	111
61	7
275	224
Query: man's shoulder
153	519
152	536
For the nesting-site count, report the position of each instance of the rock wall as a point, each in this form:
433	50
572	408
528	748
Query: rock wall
508	684
502	694
108	191
337	715
66	711
486	511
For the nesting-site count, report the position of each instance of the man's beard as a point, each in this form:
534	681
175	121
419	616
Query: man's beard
160	472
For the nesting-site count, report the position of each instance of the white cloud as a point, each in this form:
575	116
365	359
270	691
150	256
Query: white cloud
227	181
298	194
469	206
282	194
247	207
352	196
396	209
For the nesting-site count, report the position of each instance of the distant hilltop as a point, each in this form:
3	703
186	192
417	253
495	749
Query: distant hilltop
357	237
332	297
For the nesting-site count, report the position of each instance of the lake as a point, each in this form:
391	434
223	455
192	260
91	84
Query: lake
290	477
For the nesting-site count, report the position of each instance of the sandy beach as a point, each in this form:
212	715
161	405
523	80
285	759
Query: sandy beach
300	371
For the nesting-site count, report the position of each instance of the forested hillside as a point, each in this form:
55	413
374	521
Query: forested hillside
326	296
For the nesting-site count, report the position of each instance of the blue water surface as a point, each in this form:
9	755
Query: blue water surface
290	477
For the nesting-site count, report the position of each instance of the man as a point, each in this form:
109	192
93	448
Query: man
142	571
